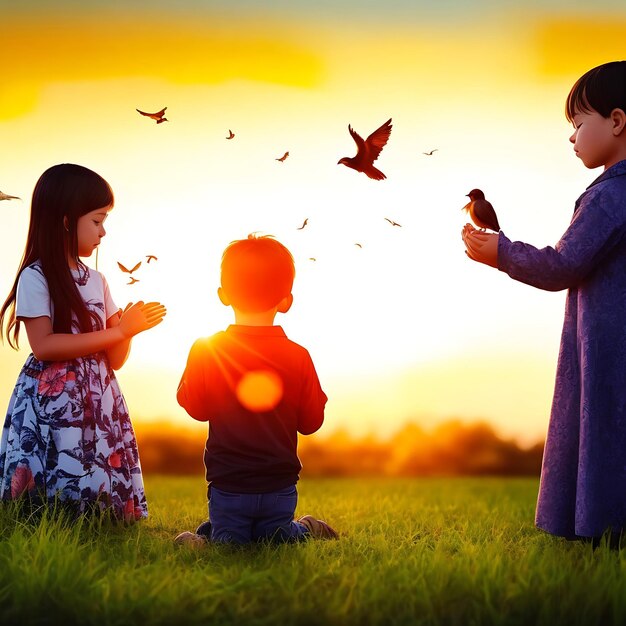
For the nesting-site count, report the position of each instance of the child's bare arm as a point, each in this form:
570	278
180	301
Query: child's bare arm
50	346
118	353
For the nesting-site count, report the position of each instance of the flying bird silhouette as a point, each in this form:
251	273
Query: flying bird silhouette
431	152
230	134
282	158
150	257
132	281
481	211
306	221
393	223
6	196
358	244
158	116
368	151
312	258
124	269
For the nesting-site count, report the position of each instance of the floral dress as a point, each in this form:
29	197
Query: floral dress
67	433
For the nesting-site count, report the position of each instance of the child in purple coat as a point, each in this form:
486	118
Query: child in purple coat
583	478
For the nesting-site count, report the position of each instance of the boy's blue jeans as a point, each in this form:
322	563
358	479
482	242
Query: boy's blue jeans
246	517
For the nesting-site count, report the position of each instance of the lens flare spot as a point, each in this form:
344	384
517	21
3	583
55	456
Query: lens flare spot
260	390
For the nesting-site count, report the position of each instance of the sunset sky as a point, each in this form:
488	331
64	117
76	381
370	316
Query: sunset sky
404	328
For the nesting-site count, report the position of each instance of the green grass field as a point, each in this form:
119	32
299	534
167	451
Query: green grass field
413	551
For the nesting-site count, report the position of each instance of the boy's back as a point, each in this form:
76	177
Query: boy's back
257	390
246	367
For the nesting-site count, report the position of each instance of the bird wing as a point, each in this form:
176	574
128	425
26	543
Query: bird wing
377	140
360	144
124	269
485	214
160	113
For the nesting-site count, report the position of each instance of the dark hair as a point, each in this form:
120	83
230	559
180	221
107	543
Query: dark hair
601	89
257	273
62	191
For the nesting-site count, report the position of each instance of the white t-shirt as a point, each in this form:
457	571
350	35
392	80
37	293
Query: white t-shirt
33	298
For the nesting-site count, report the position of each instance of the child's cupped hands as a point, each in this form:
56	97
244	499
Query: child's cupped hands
140	316
480	246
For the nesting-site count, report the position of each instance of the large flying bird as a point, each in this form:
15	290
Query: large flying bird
368	151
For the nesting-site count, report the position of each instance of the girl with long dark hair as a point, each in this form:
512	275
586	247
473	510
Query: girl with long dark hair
67	436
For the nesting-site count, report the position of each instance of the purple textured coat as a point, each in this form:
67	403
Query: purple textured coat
583	478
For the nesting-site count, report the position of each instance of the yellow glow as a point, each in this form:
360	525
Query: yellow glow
181	51
574	45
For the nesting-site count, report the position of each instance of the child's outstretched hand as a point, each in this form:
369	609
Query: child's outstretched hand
481	246
141	316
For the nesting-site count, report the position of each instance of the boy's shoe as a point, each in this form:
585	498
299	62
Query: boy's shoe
318	529
191	539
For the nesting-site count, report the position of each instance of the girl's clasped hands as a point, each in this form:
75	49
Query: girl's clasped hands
140	316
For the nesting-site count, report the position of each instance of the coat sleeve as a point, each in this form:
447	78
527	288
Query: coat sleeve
312	400
597	227
191	394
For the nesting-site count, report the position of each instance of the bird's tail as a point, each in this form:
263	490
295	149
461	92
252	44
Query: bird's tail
372	172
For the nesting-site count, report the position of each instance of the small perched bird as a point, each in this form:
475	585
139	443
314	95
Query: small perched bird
230	134
5	196
150	257
133	280
158	116
480	211
368	151
124	269
431	152
393	223
306	221
282	158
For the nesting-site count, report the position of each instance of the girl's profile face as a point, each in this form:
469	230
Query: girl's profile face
592	139
90	230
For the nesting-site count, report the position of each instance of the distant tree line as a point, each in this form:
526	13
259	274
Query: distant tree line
451	449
